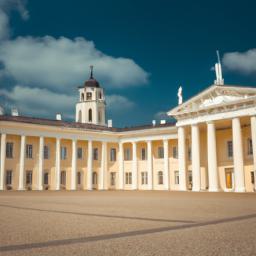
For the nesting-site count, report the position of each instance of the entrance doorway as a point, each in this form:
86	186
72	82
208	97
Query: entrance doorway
190	180
229	178
112	180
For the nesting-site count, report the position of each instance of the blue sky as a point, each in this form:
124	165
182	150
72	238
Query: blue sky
142	52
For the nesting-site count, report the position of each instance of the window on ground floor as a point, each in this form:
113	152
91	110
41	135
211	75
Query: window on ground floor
160	178
176	177
63	178
79	175
144	178
252	178
128	178
8	177
112	178
94	178
28	177
46	178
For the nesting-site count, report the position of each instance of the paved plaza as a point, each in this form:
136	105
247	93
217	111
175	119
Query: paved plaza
127	223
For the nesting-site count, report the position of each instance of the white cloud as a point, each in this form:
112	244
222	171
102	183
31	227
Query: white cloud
58	64
244	62
45	103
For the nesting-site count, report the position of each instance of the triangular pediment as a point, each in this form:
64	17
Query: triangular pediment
215	96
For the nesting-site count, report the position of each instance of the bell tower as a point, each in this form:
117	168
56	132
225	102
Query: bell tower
91	107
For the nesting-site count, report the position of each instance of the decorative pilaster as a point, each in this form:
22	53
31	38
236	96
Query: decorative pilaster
121	166
40	163
22	162
182	158
89	166
238	155
74	165
212	157
2	164
196	172
57	165
166	165
134	166
149	165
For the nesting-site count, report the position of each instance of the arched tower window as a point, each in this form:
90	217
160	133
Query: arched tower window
99	116
80	116
82	97
90	115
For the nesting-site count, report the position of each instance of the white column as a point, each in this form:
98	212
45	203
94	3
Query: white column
253	132
22	162
212	157
196	172
134	166
57	165
149	165
166	165
103	170
121	166
238	155
74	165
89	166
40	163
2	167
182	158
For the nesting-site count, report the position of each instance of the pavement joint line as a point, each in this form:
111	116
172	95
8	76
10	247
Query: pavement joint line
96	215
105	237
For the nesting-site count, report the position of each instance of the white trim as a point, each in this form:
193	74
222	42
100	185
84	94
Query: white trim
219	116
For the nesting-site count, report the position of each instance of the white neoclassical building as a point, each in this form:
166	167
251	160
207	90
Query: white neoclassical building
211	147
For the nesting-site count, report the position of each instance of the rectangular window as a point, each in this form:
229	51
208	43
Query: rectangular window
46	152
189	153
112	154
175	152
46	178
128	178
28	177
144	178
143	154
252	178
8	177
9	150
249	145
230	148
160	152
79	178
29	151
127	154
112	178
79	153
63	178
95	154
176	177
88	95
63	153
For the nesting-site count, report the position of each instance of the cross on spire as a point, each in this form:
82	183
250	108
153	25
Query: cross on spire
91	72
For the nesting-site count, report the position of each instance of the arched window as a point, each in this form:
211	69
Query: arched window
80	116
100	95
90	115
94	178
82	97
160	178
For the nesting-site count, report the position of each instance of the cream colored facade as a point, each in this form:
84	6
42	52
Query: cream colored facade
211	147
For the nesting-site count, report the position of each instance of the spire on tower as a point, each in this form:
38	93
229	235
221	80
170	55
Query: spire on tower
91	72
218	71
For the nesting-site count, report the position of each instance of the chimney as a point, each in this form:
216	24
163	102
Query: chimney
110	123
163	122
154	122
15	112
58	117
